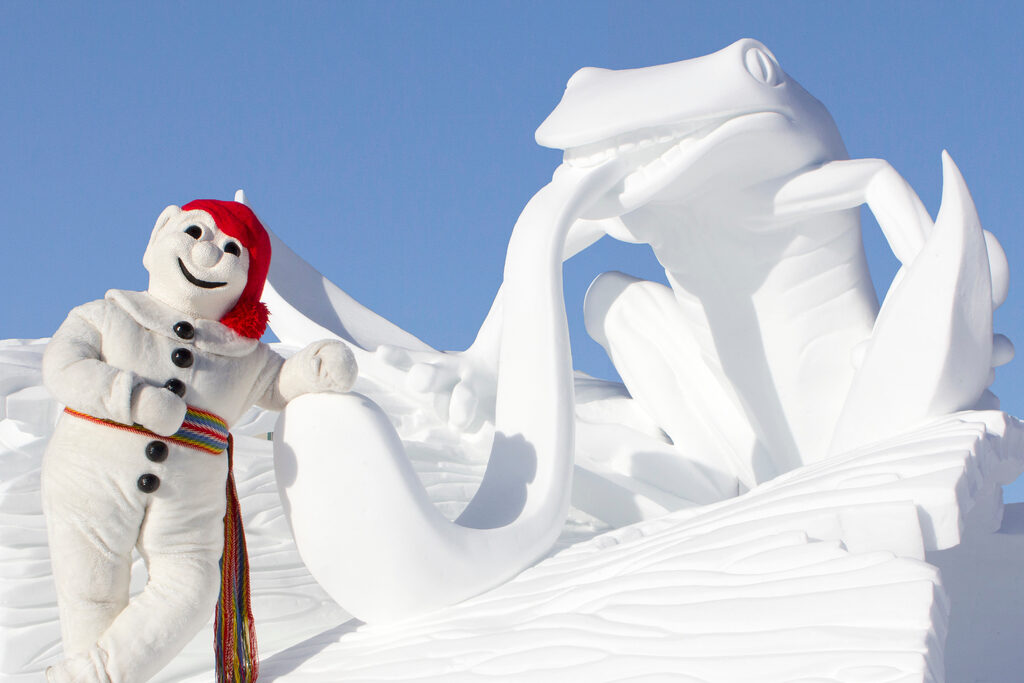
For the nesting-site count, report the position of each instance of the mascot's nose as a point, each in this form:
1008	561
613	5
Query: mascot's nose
205	254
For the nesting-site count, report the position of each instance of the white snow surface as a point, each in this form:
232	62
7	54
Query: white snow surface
828	573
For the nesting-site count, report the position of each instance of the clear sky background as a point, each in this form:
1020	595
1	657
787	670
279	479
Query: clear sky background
391	143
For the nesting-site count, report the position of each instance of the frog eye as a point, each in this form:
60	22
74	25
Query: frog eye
762	66
232	248
194	231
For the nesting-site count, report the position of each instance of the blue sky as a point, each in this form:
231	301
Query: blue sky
391	144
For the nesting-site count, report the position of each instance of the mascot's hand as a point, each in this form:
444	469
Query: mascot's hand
322	366
158	409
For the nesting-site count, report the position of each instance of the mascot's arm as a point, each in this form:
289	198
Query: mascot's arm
74	372
326	365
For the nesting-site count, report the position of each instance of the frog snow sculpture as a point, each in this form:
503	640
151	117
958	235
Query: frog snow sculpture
768	351
768	348
152	382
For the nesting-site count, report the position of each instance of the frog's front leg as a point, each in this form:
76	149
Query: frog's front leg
901	215
931	349
849	183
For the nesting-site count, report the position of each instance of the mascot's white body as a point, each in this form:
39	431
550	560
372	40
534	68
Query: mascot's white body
142	358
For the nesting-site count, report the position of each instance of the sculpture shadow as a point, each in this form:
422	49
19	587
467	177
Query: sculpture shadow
982	579
499	500
286	470
686	478
501	497
285	662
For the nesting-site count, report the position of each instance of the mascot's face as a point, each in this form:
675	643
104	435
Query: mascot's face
193	266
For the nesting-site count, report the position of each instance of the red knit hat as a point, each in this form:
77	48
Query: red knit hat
249	316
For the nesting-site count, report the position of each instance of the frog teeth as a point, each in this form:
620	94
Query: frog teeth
651	139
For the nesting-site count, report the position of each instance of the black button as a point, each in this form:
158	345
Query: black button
175	385
182	358
184	330
156	451
148	483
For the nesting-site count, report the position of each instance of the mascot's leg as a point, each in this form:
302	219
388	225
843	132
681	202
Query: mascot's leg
94	523
91	563
178	600
181	541
668	370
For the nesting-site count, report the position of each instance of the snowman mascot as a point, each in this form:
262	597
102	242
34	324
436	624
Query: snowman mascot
140	458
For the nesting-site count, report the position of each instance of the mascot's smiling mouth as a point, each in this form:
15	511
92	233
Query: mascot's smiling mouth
196	281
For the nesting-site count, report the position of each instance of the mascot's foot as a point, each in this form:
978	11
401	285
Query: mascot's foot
87	667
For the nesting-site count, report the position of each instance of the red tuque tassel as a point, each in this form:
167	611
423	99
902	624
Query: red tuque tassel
248	319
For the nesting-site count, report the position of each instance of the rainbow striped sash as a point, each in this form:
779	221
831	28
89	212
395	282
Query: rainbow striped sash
201	430
234	627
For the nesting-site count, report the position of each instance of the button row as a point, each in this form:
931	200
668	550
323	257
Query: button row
156	451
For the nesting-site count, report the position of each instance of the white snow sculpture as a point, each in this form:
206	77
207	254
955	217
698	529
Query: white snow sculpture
375	542
767	349
767	353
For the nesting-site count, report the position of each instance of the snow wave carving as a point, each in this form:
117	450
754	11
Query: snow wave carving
767	606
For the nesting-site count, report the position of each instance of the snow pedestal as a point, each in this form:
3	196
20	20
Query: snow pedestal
818	575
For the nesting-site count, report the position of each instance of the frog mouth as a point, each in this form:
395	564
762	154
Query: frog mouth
196	281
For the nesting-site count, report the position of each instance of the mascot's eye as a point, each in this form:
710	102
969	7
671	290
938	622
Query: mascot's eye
232	248
194	231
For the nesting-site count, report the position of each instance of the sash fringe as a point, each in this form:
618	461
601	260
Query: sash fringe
234	627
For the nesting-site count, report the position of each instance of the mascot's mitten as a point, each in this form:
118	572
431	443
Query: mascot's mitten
321	366
158	410
141	458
